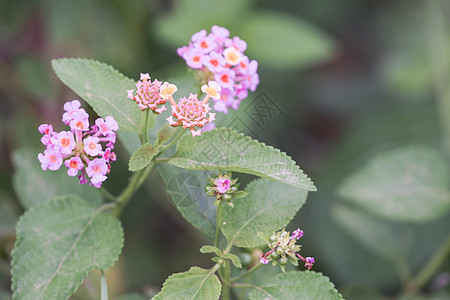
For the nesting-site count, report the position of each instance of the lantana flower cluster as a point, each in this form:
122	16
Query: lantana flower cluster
284	249
190	112
224	188
80	149
147	94
218	57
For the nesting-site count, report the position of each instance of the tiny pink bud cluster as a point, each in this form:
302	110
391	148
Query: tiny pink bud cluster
80	148
284	250
222	58
147	94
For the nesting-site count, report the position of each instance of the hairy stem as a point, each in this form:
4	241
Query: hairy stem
145	133
107	194
180	133
104	288
218	224
135	182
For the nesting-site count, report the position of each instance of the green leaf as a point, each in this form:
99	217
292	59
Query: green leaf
104	88
282	41
58	243
227	150
142	157
296	285
187	191
196	283
234	259
33	185
409	184
210	249
269	206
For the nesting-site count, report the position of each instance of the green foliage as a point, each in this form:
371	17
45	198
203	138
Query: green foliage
34	186
234	259
185	188
142	157
196	283
104	88
269	206
227	150
282	41
210	249
131	297
408	184
296	285
58	243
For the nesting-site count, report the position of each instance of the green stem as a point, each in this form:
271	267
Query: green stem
218	224
135	182
145	133
430	268
107	194
437	42
181	131
226	290
253	269
104	287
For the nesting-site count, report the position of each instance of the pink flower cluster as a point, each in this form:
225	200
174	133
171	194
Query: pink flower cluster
80	148
222	59
147	94
191	113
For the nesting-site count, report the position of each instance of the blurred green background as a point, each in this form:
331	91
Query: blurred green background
341	82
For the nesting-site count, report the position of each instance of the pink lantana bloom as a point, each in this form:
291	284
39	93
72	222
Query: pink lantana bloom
223	185
65	142
79	121
92	146
51	159
191	113
97	170
107	125
70	108
219	57
147	94
74	164
79	147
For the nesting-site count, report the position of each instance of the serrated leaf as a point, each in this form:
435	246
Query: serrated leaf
33	185
142	157
196	283
409	184
186	189
104	88
234	259
296	285
210	249
269	206
58	243
227	150
282	41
